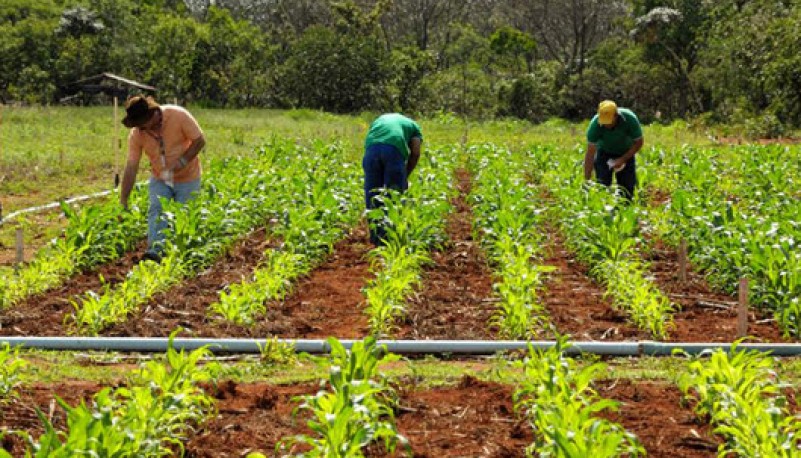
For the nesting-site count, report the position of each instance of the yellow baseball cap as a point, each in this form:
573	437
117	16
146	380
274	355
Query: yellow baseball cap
607	112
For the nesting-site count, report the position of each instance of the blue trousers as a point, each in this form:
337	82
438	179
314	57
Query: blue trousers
181	192
626	178
384	168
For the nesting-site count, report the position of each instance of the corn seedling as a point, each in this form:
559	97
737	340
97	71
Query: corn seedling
559	402
353	410
275	352
740	394
152	418
11	366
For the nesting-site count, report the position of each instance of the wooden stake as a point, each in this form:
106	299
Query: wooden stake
116	146
1	124
1	156
683	260
20	246
742	309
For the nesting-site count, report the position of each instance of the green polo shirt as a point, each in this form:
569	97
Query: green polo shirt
393	129
616	141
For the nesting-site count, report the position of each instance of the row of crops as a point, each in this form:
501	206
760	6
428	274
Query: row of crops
738	212
353	413
741	216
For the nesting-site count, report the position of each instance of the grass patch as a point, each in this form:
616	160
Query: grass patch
426	372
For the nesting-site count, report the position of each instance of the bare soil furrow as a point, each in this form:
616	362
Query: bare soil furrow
44	314
705	315
186	304
575	303
455	299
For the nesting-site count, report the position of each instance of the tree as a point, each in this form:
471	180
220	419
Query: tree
671	38
410	66
508	41
423	20
466	52
335	72
743	40
568	30
27	42
79	21
174	48
232	68
351	19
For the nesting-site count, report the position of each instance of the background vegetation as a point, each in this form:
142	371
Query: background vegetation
729	61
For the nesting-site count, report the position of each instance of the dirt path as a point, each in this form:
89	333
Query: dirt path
652	411
186	304
473	418
705	315
455	299
44	314
575	303
329	301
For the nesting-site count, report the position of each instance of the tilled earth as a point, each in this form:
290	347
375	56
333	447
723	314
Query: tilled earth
473	418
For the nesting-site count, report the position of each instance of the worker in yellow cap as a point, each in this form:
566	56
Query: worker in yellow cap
613	137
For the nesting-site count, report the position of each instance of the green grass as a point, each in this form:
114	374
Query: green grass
108	367
47	153
52	153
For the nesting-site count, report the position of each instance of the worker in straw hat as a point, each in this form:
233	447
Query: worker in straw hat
614	136
172	139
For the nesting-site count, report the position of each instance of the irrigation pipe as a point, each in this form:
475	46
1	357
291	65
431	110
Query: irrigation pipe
466	347
12	215
52	205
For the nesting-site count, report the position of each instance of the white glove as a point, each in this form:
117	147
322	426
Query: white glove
167	177
611	164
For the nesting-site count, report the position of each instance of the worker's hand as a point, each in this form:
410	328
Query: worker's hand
617	164
167	175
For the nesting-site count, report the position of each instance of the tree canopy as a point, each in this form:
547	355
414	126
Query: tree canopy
725	61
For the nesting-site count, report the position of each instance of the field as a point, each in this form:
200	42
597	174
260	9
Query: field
498	238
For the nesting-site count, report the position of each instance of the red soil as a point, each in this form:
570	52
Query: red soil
21	415
328	302
454	302
45	314
472	418
575	303
705	315
652	411
455	299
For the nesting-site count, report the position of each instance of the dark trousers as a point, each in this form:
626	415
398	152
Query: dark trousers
384	168
626	178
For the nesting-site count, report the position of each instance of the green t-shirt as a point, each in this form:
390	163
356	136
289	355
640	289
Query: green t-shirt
393	129
616	141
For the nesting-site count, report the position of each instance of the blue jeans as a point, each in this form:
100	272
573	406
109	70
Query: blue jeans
384	168
626	178
182	192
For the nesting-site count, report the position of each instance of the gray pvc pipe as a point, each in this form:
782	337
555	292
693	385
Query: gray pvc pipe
12	215
467	347
52	205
